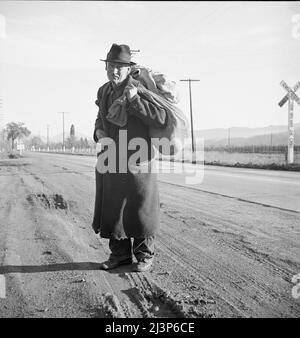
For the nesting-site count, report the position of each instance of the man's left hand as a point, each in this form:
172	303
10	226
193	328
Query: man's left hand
130	91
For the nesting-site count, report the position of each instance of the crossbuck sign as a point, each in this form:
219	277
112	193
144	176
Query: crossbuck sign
291	96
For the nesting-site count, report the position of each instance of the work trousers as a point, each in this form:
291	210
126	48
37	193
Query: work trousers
122	249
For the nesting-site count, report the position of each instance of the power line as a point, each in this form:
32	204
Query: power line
202	21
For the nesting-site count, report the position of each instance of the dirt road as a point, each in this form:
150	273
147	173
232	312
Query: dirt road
216	256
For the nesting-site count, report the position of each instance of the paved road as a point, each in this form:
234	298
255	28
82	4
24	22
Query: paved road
276	188
270	187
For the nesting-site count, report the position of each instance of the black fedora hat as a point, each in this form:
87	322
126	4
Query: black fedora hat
119	54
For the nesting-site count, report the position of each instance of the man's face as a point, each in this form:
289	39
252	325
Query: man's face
117	72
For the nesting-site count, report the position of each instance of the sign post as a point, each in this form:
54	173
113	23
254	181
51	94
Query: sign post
20	147
290	97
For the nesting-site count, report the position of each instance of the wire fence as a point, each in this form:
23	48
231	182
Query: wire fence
261	149
74	150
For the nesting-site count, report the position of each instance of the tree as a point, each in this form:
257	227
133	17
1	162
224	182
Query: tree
16	130
72	130
86	143
81	142
37	142
72	139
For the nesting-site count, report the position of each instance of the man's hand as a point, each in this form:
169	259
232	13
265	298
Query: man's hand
100	133
130	91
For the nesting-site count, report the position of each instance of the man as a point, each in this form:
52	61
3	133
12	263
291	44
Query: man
126	204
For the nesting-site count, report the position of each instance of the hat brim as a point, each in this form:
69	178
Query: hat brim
122	62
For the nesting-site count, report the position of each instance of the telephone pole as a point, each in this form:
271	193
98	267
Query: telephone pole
47	135
191	113
63	116
134	51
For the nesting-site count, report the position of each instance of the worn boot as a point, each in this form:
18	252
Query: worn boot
144	264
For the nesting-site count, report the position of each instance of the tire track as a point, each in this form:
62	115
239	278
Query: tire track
262	290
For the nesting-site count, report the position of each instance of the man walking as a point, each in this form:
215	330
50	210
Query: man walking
127	204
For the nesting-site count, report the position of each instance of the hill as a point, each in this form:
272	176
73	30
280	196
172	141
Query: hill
275	135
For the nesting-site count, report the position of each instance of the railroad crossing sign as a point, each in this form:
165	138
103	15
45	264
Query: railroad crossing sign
291	96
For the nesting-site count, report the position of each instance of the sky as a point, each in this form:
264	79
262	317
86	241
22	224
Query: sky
50	55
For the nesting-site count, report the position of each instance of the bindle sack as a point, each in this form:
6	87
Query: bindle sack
157	89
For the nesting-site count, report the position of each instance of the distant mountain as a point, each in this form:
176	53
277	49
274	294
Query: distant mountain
275	135
221	133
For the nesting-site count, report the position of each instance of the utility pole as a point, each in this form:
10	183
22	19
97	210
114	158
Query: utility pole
229	137
191	112
63	117
47	135
134	51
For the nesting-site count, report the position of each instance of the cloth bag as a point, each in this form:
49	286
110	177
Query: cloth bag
157	89
156	82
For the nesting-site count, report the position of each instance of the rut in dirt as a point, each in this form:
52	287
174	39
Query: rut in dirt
54	201
145	295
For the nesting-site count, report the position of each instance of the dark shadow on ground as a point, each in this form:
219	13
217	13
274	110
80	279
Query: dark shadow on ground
122	269
63	267
49	267
6	163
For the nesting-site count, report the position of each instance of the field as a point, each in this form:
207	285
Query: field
244	158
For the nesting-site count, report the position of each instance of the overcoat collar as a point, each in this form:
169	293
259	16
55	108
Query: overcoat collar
106	101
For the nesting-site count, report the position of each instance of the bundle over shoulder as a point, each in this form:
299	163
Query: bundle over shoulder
154	106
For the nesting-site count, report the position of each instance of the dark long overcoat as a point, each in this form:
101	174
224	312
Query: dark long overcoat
127	204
